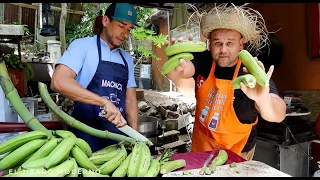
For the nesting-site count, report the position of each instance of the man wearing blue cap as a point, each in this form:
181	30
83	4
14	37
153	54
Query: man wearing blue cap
99	76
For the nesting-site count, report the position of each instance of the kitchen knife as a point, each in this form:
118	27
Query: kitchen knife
132	133
204	168
205	164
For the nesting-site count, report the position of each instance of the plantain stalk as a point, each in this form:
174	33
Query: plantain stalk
71	121
13	97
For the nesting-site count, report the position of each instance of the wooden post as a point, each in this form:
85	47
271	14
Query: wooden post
20	15
19	48
169	39
62	26
2	12
35	37
40	15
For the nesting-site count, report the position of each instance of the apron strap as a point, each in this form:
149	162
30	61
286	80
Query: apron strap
99	47
100	59
99	53
125	62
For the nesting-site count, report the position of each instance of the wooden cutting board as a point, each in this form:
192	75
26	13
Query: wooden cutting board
246	169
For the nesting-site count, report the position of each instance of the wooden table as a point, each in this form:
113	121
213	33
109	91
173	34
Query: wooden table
242	169
7	127
195	160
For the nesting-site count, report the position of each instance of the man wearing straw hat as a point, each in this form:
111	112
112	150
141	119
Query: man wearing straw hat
226	118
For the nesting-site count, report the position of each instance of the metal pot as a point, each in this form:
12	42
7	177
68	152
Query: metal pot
148	124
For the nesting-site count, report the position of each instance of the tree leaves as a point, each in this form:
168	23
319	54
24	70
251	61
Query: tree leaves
84	28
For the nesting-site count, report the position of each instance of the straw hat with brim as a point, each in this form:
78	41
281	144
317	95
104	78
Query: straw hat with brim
245	20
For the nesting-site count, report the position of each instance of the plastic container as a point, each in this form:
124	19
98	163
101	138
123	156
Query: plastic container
145	71
54	48
144	83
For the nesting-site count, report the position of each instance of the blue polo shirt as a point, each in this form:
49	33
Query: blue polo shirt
82	57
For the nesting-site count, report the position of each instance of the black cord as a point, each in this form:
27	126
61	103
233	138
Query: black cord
300	145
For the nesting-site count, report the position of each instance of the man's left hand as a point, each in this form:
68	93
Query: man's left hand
258	93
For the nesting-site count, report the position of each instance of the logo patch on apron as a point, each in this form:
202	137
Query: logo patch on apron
214	121
204	113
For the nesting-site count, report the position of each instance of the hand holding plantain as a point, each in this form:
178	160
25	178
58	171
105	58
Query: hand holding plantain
179	53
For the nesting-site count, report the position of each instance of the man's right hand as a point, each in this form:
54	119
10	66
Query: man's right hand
112	114
183	64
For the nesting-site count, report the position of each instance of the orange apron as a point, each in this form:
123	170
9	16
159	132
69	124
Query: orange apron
216	124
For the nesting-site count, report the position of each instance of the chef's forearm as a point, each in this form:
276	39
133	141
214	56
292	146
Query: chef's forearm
272	108
132	118
132	108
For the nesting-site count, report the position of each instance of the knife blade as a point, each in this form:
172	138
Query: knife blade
132	133
205	164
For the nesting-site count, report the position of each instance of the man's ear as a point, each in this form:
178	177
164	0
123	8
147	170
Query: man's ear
105	20
241	43
208	44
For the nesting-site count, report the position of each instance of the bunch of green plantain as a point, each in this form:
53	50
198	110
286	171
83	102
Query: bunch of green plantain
29	71
35	154
118	161
181	50
12	61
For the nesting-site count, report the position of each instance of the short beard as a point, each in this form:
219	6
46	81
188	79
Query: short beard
229	64
109	39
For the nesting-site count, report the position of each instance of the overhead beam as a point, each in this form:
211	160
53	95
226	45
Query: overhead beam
151	5
35	6
160	7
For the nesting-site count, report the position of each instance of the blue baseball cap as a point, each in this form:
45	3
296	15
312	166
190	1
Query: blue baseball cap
122	12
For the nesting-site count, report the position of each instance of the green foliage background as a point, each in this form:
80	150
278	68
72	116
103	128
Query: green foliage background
84	29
